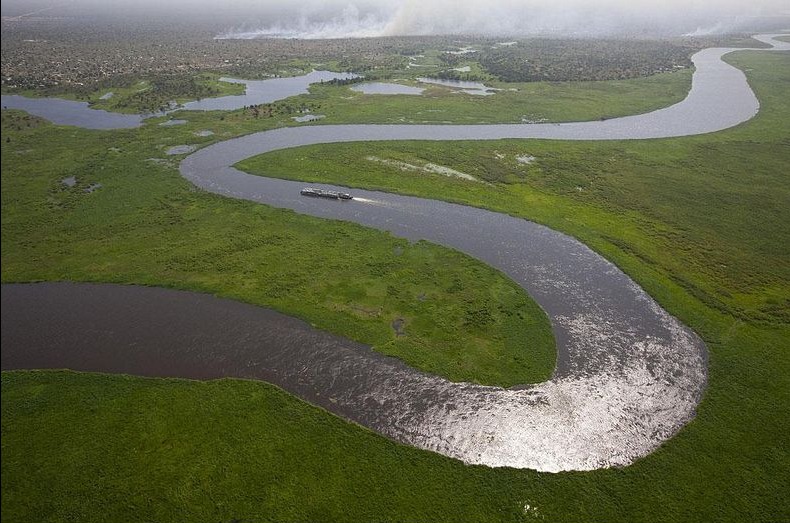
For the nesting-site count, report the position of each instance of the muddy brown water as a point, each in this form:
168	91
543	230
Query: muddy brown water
155	332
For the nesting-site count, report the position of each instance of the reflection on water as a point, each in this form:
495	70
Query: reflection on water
628	376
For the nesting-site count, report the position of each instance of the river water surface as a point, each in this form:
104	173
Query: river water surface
70	112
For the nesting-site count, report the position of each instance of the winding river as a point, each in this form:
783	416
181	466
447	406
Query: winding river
629	375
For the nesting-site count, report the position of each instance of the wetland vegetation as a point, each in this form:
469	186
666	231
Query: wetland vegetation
655	193
124	448
340	277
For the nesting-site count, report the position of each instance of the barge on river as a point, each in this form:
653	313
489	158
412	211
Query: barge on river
321	193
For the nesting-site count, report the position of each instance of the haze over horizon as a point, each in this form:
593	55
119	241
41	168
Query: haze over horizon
511	18
312	19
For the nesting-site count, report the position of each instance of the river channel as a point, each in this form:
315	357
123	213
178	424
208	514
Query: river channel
629	375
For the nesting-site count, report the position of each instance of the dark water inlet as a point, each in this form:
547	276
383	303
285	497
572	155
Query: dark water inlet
69	112
148	331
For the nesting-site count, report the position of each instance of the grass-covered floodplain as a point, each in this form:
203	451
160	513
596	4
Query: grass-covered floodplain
122	448
146	225
513	103
710	212
701	223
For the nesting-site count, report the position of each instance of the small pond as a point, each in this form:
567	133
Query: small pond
386	88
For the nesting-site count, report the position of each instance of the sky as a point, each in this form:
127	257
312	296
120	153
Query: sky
363	18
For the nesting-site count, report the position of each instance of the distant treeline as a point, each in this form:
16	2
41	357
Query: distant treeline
82	56
580	60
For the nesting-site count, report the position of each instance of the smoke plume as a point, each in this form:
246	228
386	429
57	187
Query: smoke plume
514	18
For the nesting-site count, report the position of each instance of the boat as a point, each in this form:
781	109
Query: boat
322	193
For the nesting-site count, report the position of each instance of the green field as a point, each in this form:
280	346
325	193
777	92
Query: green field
535	101
701	223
